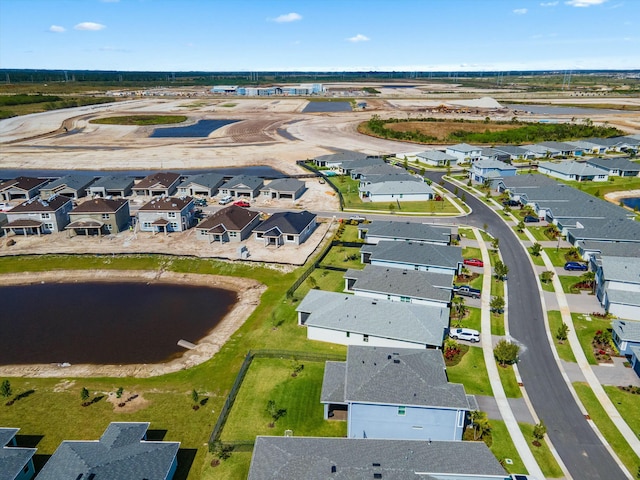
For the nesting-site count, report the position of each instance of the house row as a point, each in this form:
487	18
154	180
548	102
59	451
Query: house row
292	90
154	185
122	452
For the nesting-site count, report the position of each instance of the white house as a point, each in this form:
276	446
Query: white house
618	286
465	153
573	171
436	158
399	190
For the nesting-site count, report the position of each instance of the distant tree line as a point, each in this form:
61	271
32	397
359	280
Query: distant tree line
9	100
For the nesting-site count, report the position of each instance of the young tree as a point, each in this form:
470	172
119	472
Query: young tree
195	396
84	395
590	278
506	210
520	226
497	304
119	392
480	424
546	276
563	331
500	270
539	431
536	248
5	389
275	412
221	450
495	242
506	353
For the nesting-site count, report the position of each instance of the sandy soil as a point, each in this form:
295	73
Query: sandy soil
248	292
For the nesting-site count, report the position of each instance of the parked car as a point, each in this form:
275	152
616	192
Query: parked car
510	203
474	262
242	203
531	219
467	291
200	202
225	200
467	334
583	267
357	218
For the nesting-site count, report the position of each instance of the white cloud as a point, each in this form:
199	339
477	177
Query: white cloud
57	29
289	17
358	38
520	11
584	3
549	4
89	26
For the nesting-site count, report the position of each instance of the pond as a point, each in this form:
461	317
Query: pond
200	129
316	107
106	323
560	110
631	202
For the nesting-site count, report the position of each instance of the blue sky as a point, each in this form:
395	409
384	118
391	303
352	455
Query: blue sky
341	35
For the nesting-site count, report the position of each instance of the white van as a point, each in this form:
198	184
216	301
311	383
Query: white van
226	199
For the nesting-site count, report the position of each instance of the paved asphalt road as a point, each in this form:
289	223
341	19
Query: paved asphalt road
580	449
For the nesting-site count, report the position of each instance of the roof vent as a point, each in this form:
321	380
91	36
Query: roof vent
376	464
377	475
388	357
395	360
334	469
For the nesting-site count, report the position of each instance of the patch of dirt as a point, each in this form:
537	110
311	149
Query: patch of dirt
63	385
128	403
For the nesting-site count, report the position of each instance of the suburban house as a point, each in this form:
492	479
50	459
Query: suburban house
111	187
283	228
515	153
396	285
242	186
396	393
230	224
612	144
524	183
618	286
593	250
588	148
409	190
284	188
38	216
347	167
540	151
202	185
625	334
635	359
21	188
612	228
316	458
436	158
616	167
16	463
377	231
486	170
495	155
414	256
333	161
565	149
73	186
167	214
377	173
156	185
122	452
357	320
100	216
465	153
573	171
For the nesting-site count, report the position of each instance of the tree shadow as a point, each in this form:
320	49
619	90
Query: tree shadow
185	460
204	401
156	435
96	399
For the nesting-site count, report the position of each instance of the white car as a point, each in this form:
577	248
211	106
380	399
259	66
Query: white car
467	334
225	200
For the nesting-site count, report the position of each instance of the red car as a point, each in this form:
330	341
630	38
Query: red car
474	262
242	203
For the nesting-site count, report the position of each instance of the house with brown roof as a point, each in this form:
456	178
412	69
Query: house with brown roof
100	216
167	214
161	183
230	224
37	216
21	188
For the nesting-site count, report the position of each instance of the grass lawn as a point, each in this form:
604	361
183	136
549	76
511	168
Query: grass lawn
140	120
615	184
607	427
542	454
472	320
521	235
471	252
342	257
537	260
568	282
503	448
563	349
270	379
627	404
508	380
328	280
557	256
586	329
349	233
472	373
497	324
547	287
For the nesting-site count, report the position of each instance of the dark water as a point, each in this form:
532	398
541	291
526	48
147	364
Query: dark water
200	129
314	107
559	110
105	323
631	202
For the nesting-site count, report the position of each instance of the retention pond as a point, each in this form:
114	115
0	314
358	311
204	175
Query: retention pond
106	323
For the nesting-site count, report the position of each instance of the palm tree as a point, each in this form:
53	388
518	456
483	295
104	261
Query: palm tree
480	424
459	308
590	278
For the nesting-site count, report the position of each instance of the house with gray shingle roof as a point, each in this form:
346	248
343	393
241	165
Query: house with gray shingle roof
617	166
114	186
604	228
413	256
625	334
357	320
397	393
514	152
275	458
593	250
436	158
566	149
412	286
284	188
122	452
286	228
230	224
573	171
464	152
406	189
16	463
372	173
588	147
377	231
73	186
618	286
540	151
201	185
611	144
242	186
490	170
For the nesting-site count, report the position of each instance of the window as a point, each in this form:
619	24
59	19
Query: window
402	411
48	226
233	234
146	224
365	338
105	216
348	334
171	215
174	225
461	415
290	238
405	299
44	216
109	227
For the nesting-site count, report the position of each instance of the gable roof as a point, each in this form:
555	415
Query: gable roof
609	226
100	205
436	155
407	322
113	183
340	157
333	382
120	453
166	204
621	269
232	217
412	253
490	163
12	459
627	330
209	180
406	231
161	179
406	283
398	187
243	181
74	182
287	222
401	376
39	204
616	163
612	249
24	183
284	185
561	146
463	147
512	150
571	168
358	459
528	181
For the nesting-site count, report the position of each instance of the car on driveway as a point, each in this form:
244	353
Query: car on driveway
242	203
225	200
583	267
357	218
531	219
467	291
467	334
510	203
474	262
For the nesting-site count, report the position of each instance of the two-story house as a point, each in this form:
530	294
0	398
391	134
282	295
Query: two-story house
38	215
167	214
100	216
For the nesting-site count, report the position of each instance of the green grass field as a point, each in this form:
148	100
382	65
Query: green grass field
508	380
503	448
563	349
542	454
140	120
627	404
586	329
472	373
343	257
